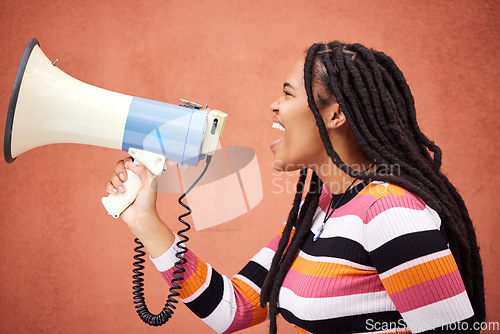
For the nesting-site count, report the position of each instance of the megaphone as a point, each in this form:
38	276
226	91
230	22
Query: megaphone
47	106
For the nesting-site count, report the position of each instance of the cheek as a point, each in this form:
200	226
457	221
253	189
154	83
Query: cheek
305	143
302	144
305	130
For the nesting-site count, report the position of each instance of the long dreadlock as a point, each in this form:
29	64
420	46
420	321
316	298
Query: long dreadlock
379	107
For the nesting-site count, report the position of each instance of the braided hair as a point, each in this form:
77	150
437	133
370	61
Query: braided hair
377	102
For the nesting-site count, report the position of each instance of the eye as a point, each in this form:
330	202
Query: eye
286	93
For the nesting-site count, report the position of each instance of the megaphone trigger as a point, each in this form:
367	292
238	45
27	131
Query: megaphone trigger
154	162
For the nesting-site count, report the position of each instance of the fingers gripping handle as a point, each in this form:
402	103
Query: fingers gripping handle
115	204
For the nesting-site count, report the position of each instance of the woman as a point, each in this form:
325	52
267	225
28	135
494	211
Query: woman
382	240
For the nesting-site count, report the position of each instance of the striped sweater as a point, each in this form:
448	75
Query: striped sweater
381	265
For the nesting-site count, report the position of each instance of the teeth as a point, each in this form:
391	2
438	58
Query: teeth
278	126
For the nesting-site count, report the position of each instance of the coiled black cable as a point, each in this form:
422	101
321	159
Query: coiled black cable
138	282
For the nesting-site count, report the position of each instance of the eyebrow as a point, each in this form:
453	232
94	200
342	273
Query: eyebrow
286	84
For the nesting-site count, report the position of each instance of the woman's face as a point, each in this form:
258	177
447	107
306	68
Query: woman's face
300	145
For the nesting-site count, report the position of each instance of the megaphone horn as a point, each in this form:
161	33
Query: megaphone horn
47	106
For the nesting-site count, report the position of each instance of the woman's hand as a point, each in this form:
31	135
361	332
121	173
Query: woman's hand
143	209
141	216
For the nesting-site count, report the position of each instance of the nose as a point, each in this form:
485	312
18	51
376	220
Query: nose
275	106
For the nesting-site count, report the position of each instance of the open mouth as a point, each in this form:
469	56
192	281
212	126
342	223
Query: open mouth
277	125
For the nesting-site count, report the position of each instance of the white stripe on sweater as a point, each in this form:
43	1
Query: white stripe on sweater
445	311
334	307
395	222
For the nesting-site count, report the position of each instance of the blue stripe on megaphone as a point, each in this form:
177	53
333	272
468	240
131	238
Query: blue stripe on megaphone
173	131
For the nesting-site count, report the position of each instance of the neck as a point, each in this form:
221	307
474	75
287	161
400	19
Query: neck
338	181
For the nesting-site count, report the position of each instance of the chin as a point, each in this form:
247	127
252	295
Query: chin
284	166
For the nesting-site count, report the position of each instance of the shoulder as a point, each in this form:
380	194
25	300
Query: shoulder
381	197
372	200
394	212
384	206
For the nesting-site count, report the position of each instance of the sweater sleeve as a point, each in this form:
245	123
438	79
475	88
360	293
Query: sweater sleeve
226	305
407	246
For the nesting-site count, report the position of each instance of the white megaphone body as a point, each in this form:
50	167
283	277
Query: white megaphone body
47	106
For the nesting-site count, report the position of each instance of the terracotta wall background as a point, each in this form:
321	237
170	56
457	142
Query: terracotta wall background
66	266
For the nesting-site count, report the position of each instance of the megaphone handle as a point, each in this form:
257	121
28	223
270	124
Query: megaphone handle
115	204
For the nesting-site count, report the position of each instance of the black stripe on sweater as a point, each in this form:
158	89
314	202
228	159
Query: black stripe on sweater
407	247
208	300
349	324
254	272
337	247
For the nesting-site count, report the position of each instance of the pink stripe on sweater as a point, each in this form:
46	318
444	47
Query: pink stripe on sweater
316	287
190	266
357	206
324	198
409	201
273	245
429	292
243	315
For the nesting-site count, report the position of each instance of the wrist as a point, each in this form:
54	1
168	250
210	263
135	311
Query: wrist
154	234
144	222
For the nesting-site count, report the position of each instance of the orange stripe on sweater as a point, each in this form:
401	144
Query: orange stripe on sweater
280	233
301	330
420	273
325	269
378	191
395	190
259	313
195	281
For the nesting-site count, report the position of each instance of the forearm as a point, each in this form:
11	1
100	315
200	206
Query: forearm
226	305
154	234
